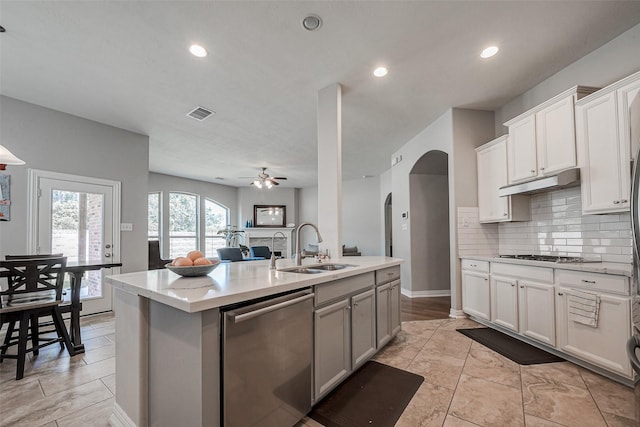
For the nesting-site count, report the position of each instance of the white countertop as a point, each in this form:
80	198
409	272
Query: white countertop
235	282
617	268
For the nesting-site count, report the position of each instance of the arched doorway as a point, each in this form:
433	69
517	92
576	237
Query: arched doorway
429	218
388	234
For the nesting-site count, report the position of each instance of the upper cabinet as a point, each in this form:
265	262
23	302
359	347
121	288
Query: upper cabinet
542	141
607	131
492	174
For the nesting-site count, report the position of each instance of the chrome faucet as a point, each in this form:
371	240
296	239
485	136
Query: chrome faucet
273	247
299	255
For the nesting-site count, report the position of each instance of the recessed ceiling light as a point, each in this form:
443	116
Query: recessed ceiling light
197	50
380	72
489	52
311	22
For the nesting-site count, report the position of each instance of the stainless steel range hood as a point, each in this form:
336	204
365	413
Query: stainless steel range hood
566	178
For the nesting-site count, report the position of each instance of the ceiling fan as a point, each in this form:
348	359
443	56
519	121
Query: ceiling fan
265	180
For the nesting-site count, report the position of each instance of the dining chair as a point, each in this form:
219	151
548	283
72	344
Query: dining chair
155	261
31	288
260	252
230	254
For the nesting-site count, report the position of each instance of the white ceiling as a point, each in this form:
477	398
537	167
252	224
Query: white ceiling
126	64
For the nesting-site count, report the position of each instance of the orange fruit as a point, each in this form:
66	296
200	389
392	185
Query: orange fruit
202	261
182	262
194	255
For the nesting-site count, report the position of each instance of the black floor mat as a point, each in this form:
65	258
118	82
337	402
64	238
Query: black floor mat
375	395
511	348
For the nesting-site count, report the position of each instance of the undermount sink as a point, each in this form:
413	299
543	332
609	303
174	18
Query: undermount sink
316	268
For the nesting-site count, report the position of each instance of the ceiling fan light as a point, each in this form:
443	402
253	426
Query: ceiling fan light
257	183
268	183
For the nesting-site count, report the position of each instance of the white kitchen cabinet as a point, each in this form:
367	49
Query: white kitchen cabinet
332	353
504	302
492	174
363	327
542	140
476	289
387	304
604	345
536	311
608	137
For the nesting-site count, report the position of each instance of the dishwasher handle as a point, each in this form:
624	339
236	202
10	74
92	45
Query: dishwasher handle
237	318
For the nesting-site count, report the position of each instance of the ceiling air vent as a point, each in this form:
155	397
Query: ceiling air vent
200	113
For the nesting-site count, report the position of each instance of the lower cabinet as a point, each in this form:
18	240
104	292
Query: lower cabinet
345	337
387	311
504	302
536	313
603	345
475	294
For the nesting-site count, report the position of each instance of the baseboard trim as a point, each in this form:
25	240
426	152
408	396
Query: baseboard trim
119	418
426	294
456	314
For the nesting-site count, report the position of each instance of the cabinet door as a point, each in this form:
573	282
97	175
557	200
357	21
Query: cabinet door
604	345
536	303
555	137
394	308
492	174
332	361
504	302
521	149
382	315
363	327
475	294
604	165
629	117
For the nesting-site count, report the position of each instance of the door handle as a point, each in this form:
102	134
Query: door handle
107	246
107	255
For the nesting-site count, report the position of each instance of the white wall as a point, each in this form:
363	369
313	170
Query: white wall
617	59
50	140
249	196
429	217
362	215
385	189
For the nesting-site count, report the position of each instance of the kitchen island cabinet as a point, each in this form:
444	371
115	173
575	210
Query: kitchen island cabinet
168	333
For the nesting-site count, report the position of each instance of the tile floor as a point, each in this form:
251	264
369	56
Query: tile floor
466	384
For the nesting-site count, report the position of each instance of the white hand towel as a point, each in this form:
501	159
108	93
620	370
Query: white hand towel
584	307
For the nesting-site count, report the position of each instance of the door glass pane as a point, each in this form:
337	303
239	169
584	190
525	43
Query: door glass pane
183	224
154	216
77	220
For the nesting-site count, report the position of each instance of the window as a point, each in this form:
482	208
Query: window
183	224
153	229
191	224
216	217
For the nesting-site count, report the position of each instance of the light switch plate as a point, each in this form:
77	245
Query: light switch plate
126	226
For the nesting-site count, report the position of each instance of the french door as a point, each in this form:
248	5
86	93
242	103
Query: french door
77	216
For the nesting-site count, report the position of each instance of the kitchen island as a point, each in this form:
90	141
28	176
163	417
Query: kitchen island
168	331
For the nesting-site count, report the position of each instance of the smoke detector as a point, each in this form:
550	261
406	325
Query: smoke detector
311	22
200	113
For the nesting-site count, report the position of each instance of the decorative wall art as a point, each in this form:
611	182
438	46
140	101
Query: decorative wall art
269	215
5	198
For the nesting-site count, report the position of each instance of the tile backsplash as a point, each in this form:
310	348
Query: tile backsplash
475	238
557	227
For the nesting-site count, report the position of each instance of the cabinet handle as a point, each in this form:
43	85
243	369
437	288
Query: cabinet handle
348	307
513	284
533	171
473	265
623	201
486	279
541	169
521	286
560	294
355	304
615	202
589	281
505	214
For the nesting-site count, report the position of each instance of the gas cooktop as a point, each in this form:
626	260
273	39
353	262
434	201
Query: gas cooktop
548	258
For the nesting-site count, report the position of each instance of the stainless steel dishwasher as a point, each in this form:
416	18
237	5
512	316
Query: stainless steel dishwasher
267	353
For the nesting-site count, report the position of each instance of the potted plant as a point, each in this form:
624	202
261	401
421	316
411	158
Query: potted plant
231	235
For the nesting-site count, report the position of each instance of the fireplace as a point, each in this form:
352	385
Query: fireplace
263	236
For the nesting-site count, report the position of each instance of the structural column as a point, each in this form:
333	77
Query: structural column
330	168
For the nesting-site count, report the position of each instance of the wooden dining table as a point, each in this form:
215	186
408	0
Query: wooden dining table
76	270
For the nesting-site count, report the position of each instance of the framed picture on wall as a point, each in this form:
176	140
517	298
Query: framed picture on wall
269	215
5	198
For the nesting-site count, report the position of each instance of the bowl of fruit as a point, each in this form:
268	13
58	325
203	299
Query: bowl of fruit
193	265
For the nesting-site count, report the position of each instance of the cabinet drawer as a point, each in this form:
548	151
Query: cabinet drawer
474	265
538	274
342	287
594	281
388	274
